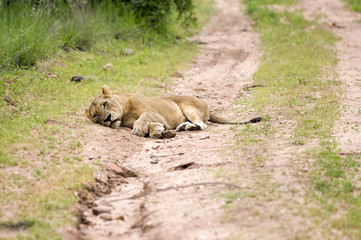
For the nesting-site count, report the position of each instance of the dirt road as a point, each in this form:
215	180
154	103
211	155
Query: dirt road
218	75
269	172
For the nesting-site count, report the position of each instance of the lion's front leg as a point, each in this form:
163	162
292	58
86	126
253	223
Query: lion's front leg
151	124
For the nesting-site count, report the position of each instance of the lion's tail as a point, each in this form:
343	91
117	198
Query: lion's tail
217	119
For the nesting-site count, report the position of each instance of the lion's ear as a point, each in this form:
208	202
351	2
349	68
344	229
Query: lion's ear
107	92
87	113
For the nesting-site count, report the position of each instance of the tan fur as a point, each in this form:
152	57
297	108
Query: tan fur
149	115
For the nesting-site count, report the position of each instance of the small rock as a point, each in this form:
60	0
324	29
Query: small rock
202	42
106	216
114	168
156	147
336	25
77	79
94	157
101	178
177	74
119	217
128	51
88	221
66	49
109	67
204	137
9	101
102	202
154	161
53	76
185	166
101	209
128	172
168	134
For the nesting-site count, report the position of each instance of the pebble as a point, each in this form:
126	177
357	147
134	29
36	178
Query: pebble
128	172
102	202
108	66
106	216
168	134
156	147
119	217
114	168
77	78
101	178
128	51
101	209
93	157
177	74
155	161
204	137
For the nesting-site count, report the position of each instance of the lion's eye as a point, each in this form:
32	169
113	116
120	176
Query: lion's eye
95	115
105	104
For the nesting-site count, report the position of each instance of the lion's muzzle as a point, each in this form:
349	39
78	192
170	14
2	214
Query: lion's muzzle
115	123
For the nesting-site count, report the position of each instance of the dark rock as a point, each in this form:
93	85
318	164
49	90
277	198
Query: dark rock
177	74
128	172
185	166
101	209
114	168
168	134
106	216
9	101
77	78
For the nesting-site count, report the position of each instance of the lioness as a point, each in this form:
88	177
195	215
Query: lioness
149	116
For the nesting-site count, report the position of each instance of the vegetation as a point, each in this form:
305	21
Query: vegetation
32	30
42	130
355	5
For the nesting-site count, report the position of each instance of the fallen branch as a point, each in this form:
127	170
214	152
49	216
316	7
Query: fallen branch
177	187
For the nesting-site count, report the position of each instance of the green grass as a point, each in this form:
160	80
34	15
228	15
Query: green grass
42	127
31	32
333	186
354	4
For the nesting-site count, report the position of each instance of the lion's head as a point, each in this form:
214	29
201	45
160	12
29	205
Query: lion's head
105	109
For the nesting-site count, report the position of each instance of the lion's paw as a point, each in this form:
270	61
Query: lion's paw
201	125
187	126
140	128
156	130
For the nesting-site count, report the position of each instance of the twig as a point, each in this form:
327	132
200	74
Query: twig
177	187
297	111
252	86
166	155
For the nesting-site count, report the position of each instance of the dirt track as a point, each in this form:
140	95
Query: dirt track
219	74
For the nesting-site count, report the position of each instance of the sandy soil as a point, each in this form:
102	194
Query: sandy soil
219	75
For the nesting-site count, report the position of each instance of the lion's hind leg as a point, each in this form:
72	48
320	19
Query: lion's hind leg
195	117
